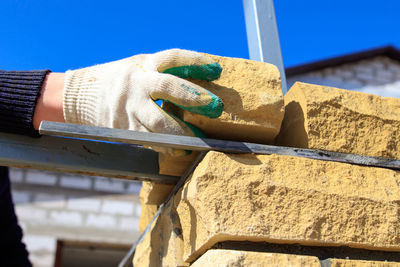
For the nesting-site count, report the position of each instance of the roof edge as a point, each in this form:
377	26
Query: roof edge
389	51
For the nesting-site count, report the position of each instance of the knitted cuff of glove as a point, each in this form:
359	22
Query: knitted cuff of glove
80	96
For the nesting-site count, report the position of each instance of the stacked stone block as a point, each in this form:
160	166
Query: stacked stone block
251	92
271	210
328	118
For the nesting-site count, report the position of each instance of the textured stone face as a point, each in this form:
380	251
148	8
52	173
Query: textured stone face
361	263
238	258
224	258
253	112
289	200
321	117
282	199
251	92
153	193
151	196
175	166
146	215
163	245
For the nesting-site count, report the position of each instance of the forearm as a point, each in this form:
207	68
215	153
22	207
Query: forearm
49	106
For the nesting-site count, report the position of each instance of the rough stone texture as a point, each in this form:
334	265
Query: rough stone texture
153	193
253	100
175	166
282	199
163	245
151	196
253	112
361	263
147	213
237	258
289	200
334	119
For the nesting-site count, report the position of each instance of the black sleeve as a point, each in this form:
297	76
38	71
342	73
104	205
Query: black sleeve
12	250
19	92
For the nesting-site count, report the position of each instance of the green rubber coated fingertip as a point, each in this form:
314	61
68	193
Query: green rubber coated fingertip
207	72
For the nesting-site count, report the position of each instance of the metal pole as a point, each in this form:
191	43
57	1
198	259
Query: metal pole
262	34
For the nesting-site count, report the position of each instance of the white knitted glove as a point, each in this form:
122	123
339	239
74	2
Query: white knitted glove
121	94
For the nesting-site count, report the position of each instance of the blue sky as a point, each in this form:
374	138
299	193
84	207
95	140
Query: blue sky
69	34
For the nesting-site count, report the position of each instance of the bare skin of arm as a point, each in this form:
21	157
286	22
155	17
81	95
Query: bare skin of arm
50	103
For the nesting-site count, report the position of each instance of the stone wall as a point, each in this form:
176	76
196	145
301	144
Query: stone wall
269	210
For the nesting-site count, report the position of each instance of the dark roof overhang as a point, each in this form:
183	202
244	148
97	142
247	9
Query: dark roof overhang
388	51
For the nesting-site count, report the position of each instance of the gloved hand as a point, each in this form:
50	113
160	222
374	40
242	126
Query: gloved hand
121	94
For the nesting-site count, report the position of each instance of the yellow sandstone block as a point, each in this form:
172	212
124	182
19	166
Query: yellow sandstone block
151	196
361	263
282	199
254	107
224	258
321	117
175	166
251	92
153	193
146	215
163	245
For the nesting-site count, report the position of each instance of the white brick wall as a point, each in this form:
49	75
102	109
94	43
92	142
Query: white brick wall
67	218
53	206
16	175
133	188
50	201
74	182
138	210
129	224
21	196
77	182
46	197
43	178
101	221
85	204
30	214
41	249
109	185
379	75
117	207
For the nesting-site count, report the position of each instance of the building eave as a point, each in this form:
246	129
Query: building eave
388	51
